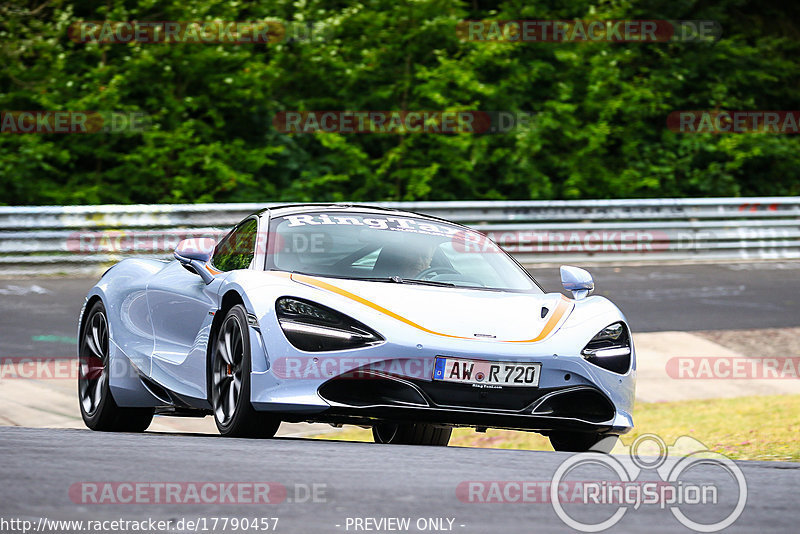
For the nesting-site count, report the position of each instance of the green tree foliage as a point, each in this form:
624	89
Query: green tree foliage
600	108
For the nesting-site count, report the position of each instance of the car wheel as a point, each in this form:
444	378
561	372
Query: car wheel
230	382
411	434
582	441
98	408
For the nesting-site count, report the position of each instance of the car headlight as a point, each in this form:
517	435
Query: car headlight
610	348
313	327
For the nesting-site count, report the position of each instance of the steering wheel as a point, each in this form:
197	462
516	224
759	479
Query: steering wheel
439	270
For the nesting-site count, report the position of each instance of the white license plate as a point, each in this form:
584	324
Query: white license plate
489	373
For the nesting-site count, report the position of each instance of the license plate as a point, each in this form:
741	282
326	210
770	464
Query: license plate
488	373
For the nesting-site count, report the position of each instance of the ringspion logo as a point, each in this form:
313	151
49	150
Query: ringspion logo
704	490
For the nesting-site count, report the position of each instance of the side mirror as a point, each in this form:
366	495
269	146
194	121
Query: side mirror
577	281
194	254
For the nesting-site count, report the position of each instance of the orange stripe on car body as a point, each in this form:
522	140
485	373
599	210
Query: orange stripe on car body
556	315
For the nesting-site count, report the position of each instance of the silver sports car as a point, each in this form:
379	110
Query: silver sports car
404	323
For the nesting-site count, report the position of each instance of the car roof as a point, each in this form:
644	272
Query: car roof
292	209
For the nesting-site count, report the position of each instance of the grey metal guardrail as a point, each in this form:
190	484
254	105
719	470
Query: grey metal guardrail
85	239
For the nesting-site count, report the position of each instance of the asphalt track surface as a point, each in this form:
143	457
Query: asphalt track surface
39	466
40	315
357	480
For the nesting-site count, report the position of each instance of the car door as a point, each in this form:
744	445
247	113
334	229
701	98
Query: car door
182	307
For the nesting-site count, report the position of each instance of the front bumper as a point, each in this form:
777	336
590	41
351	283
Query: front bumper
371	385
365	397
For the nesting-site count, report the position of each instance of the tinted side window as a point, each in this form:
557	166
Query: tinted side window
236	250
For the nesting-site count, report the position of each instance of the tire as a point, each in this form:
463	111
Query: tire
229	381
582	441
411	434
98	408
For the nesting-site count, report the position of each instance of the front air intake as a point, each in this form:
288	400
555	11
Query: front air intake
367	389
583	403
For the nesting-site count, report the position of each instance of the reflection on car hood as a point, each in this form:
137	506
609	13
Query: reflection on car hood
456	312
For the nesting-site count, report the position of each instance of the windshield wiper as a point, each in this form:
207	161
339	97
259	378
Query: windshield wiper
391	279
398	280
426	282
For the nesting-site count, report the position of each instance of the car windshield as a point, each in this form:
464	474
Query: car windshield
391	248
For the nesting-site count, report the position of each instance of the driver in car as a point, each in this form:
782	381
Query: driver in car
416	261
405	261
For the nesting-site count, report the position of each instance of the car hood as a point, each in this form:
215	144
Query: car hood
456	312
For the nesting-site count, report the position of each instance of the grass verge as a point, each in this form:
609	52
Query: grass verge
742	428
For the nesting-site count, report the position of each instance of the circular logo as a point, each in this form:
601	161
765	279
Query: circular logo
650	452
